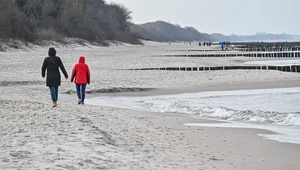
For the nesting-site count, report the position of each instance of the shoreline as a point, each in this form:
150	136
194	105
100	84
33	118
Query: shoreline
206	88
198	147
244	148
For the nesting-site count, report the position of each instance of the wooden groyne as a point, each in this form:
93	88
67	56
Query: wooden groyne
202	50
268	49
267	46
281	54
239	49
293	68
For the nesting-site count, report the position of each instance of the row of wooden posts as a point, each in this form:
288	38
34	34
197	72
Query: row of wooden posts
247	49
258	54
267	49
294	68
204	50
266	44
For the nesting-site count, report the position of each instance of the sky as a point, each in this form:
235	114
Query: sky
241	17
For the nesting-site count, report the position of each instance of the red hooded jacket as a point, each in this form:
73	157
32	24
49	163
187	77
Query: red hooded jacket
81	72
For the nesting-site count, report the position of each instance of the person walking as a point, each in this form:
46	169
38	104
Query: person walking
51	64
81	73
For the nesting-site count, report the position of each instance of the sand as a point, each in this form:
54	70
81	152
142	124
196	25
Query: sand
71	136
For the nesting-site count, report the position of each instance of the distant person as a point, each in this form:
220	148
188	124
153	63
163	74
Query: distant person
222	45
81	73
51	64
274	45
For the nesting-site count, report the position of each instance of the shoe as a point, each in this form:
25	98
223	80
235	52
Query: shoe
82	102
79	101
54	104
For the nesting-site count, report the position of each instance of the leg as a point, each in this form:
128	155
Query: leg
78	93
83	93
53	93
56	92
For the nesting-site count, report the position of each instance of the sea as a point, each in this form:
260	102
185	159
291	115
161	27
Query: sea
276	110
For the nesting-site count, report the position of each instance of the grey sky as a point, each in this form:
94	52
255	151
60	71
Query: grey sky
220	16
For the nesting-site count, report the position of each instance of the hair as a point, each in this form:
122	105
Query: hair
52	51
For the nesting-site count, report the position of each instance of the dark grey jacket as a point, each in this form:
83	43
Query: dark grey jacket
52	65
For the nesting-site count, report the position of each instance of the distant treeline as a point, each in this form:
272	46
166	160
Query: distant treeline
163	31
92	20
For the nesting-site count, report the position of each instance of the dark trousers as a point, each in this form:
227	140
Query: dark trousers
54	93
80	88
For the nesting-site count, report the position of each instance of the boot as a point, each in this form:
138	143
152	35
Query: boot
54	104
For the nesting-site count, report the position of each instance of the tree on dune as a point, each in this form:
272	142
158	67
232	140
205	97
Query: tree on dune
93	20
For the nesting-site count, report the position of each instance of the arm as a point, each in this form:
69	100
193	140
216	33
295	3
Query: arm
63	69
73	73
44	67
88	75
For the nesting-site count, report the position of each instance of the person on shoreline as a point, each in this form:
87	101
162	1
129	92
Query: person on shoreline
81	73
51	64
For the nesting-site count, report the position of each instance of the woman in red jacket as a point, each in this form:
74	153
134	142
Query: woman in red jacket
81	73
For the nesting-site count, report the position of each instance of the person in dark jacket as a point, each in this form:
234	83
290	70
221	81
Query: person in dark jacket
52	63
81	73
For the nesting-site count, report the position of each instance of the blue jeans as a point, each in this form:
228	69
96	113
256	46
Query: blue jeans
80	88
54	93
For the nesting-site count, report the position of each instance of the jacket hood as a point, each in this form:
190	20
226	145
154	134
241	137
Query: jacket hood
81	59
51	51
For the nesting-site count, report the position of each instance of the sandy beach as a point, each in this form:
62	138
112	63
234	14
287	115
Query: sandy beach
33	135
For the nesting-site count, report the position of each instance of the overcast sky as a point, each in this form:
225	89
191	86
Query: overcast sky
220	16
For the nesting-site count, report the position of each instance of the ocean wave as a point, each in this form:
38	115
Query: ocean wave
268	106
253	116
